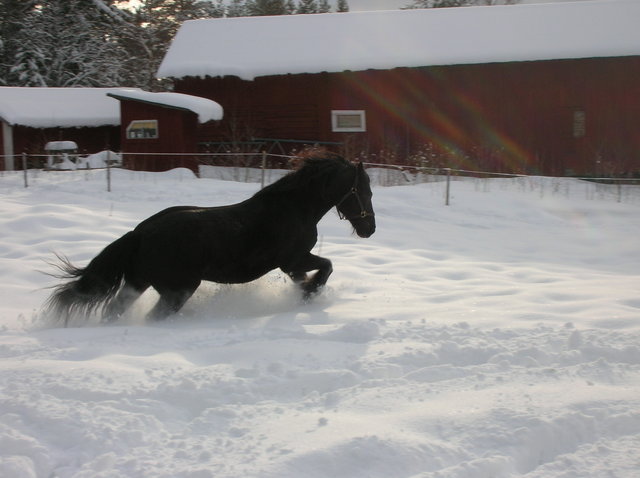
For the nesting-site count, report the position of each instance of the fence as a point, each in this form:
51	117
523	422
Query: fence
267	167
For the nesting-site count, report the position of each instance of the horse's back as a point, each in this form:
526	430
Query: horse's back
190	238
166	212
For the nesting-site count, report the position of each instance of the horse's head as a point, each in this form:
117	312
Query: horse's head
355	205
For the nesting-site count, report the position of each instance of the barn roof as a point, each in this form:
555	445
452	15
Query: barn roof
206	110
59	107
260	46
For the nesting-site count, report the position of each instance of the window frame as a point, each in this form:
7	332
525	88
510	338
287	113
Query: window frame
133	123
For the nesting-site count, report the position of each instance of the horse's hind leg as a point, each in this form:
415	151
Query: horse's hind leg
126	296
171	301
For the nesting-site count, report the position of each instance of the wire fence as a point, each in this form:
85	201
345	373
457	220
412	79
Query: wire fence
265	168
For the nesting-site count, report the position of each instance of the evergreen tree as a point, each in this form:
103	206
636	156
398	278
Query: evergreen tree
66	43
307	6
237	8
13	14
290	7
342	6
148	36
457	3
101	43
323	6
258	8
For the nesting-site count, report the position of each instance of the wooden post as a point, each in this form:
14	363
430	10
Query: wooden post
24	170
264	165
108	171
619	190
448	189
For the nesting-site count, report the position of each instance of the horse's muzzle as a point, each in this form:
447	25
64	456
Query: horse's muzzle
364	227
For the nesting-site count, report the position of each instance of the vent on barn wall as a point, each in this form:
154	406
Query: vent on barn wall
348	121
579	123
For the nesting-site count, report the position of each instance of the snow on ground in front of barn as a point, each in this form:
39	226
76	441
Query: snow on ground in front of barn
496	337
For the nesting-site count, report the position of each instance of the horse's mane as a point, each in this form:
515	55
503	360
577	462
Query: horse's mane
312	168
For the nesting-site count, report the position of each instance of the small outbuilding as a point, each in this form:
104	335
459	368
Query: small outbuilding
33	117
532	88
160	129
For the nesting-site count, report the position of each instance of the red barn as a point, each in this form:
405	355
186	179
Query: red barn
545	88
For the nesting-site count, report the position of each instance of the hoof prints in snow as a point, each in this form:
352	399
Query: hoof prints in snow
376	399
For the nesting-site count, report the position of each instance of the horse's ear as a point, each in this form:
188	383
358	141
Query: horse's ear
360	165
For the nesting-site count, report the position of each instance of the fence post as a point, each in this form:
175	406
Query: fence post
619	190
24	170
448	189
108	171
264	165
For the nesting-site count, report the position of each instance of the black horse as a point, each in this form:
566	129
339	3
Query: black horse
177	248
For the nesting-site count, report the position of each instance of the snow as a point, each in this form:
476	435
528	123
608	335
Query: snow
98	160
80	107
292	44
60	146
496	337
67	161
206	109
59	107
366	5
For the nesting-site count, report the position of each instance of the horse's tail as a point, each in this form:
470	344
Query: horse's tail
94	285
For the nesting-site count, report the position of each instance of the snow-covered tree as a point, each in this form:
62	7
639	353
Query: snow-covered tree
148	36
458	3
66	43
237	8
109	42
307	6
13	14
290	7
342	6
258	8
323	6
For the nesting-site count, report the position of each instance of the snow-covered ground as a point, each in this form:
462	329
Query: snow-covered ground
495	337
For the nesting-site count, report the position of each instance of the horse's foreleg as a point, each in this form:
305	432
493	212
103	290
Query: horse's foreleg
298	272
297	277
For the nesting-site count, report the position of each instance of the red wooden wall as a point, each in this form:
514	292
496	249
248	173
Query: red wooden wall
545	117
177	133
89	140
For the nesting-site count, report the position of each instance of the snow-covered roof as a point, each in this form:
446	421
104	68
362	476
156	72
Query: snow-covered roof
261	46
59	107
60	146
206	109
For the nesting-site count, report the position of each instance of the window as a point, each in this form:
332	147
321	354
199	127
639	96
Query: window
348	121
142	129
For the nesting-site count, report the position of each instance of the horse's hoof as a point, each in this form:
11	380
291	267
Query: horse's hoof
308	294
